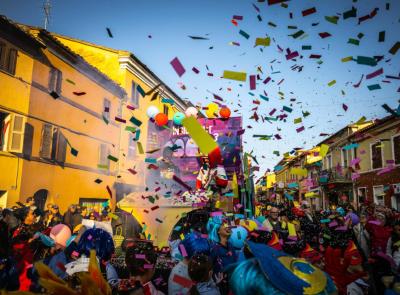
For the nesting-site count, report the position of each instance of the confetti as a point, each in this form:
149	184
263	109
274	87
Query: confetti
178	67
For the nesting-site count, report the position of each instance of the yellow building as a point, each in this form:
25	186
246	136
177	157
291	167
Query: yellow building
55	142
129	72
377	178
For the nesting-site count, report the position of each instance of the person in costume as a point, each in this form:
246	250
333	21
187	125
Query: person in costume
343	261
200	271
393	245
179	279
223	253
140	260
268	271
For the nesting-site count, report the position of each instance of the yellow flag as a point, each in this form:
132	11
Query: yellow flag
204	141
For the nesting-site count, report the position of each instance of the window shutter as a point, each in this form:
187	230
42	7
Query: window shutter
17	134
52	79
106	108
58	81
103	155
12	61
46	141
2	55
61	148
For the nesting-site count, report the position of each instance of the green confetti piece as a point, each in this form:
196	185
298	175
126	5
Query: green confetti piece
102	166
297	34
333	82
130	128
374	87
70	81
137	135
360	35
151	199
105	120
272	24
167	101
332	19
297	121
306	47
264	97
292	27
287	109
353	41
365	60
112	158
151	160
135	121
74	152
381	36
350	13
140	90
244	34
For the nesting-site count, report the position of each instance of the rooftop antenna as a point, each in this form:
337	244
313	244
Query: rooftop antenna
46	8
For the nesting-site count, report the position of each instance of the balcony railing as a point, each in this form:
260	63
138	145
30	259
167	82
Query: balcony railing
336	174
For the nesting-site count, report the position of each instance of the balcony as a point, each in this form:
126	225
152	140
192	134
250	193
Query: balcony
339	174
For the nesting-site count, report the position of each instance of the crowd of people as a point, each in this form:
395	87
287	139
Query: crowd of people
287	249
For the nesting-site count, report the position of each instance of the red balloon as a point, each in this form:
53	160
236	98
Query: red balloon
161	119
225	112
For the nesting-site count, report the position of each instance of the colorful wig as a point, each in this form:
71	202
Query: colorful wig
213	225
99	240
248	279
194	244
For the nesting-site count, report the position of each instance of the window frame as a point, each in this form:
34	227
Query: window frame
106	115
21	133
393	152
342	152
134	95
5	58
374	196
371	158
131	142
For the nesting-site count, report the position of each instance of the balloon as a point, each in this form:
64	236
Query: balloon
238	237
60	234
225	112
249	224
152	111
191	112
178	117
161	119
212	109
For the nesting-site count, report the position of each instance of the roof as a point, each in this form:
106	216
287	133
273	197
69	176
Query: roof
376	124
76	59
6	21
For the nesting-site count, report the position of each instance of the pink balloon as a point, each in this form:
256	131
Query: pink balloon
60	234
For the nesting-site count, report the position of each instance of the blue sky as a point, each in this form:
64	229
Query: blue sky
170	22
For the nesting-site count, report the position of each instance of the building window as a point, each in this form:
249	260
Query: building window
328	162
354	153
376	155
106	109
55	81
344	158
362	194
53	144
166	109
12	128
8	58
396	149
104	162
134	95
131	146
379	195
